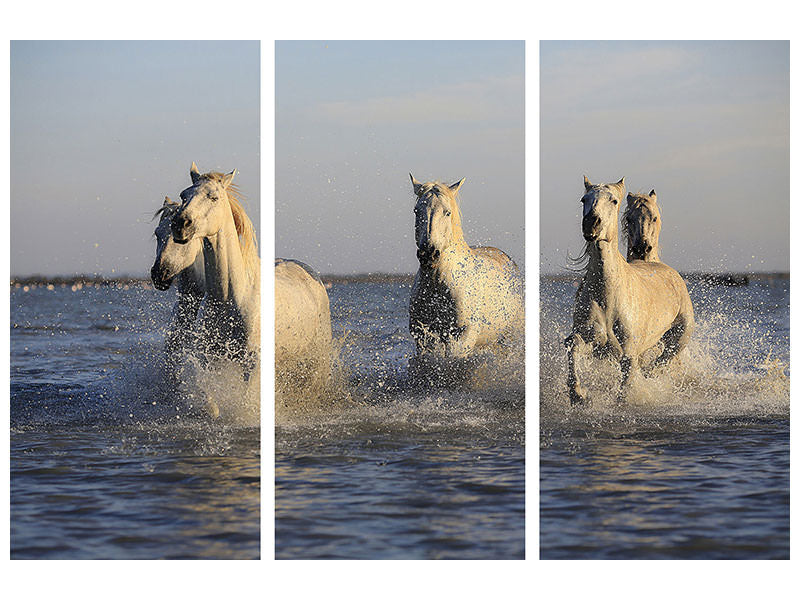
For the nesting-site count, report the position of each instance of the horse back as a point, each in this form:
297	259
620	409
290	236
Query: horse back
662	283
294	278
302	308
494	254
308	269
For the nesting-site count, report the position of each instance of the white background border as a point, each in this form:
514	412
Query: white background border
411	19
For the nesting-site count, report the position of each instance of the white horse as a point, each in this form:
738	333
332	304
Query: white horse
463	298
641	223
231	318
623	309
184	263
302	325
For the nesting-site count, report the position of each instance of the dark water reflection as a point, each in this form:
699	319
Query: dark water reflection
433	496
721	492
124	494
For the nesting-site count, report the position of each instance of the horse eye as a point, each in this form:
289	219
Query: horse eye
655	219
447	213
614	200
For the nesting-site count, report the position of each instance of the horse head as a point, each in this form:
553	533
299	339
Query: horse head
601	210
171	257
642	223
437	219
203	211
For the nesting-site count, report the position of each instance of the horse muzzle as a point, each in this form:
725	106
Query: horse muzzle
427	255
160	281
639	251
590	228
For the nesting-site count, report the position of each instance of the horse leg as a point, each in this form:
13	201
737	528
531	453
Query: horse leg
648	358
675	339
574	344
628	363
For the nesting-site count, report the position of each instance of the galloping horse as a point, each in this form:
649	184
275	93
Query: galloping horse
211	212
302	324
623	309
641	223
463	298
183	262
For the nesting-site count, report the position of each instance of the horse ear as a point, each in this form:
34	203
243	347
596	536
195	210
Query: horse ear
457	185
630	198
417	185
653	194
194	173
169	202
586	183
227	179
620	185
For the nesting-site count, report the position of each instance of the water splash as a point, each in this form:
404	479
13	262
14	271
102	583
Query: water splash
151	386
372	392
735	366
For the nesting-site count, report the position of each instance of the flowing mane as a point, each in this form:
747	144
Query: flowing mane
579	264
244	226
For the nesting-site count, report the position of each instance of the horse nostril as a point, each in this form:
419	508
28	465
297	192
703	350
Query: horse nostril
181	223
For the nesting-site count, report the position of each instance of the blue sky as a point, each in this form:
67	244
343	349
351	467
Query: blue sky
704	123
102	131
354	118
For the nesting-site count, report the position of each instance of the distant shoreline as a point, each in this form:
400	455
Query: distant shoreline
715	278
80	281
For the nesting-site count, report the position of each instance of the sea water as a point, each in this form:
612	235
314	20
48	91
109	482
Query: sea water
378	468
107	459
696	464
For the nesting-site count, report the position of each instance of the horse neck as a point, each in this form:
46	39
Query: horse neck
457	240
451	258
191	281
225	274
606	265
